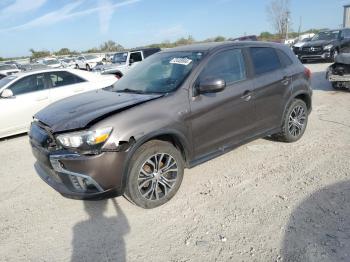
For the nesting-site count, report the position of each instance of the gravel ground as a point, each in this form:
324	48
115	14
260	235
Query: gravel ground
265	201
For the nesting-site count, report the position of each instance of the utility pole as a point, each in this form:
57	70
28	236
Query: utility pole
287	24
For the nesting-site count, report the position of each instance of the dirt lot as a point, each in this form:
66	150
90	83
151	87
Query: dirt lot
265	201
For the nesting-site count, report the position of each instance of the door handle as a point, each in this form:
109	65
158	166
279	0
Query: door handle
286	80
247	96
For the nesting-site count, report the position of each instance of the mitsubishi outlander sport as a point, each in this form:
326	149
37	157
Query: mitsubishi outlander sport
176	109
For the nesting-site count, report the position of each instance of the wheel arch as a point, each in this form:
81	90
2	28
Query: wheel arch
175	138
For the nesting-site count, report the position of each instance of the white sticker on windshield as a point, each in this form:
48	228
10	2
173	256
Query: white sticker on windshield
181	61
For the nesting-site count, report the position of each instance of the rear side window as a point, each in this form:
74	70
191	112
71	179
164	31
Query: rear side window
63	78
265	59
227	65
285	59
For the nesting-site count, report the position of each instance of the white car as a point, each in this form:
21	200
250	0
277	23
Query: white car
52	62
87	62
68	62
24	94
6	70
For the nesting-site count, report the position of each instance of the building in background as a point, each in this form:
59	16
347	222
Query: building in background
346	22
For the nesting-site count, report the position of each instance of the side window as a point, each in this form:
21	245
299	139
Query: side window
28	84
285	59
63	78
265	59
137	57
346	34
227	65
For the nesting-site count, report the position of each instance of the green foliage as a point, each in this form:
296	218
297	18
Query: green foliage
63	51
39	54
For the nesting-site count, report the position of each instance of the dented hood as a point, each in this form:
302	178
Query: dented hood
79	111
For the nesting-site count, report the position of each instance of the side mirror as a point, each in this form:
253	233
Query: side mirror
131	61
212	85
7	93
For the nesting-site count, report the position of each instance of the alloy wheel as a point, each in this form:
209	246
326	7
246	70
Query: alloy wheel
296	123
157	176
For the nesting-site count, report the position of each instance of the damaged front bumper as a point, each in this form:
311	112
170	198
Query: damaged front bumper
76	175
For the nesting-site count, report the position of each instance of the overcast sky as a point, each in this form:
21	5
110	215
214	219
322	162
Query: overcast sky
83	24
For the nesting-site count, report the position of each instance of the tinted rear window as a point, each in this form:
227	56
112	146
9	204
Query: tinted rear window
265	59
285	59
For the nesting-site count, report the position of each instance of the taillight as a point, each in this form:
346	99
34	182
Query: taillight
307	73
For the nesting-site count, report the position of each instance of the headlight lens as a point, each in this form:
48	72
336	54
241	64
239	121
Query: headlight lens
328	47
91	139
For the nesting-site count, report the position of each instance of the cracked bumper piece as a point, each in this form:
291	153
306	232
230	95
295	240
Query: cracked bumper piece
79	176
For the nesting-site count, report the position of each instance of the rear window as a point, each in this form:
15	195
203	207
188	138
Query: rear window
265	59
285	59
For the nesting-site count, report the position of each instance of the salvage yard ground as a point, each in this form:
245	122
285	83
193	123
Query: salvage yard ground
265	201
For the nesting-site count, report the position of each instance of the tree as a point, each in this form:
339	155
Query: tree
278	12
39	54
63	51
219	39
185	41
111	46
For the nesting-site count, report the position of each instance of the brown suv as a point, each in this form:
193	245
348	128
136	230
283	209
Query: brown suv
176	109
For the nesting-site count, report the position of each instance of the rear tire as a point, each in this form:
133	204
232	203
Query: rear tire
155	174
294	122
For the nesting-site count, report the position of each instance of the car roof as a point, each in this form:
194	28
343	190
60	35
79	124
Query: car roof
46	70
206	47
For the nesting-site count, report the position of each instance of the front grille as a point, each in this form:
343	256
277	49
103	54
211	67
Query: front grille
312	49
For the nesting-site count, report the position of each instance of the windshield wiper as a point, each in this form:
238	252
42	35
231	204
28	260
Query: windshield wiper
128	90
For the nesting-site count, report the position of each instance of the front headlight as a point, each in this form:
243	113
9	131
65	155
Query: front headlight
328	47
85	140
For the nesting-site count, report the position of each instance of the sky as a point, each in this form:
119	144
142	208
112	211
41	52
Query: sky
83	24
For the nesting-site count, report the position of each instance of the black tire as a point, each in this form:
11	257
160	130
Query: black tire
335	86
145	182
333	55
76	66
88	68
287	134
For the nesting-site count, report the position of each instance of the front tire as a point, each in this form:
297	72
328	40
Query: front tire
294	122
155	174
88	68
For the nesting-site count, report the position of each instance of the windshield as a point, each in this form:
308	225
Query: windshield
4	81
7	67
51	62
160	73
89	57
120	58
328	35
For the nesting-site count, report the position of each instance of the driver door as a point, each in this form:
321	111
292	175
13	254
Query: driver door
223	118
30	94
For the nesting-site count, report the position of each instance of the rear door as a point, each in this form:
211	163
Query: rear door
30	96
272	85
64	84
226	117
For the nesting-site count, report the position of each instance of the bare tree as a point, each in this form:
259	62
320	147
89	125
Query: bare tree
278	12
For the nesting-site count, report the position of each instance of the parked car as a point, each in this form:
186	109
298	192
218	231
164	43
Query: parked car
339	72
24	94
325	45
245	38
297	46
8	69
123	61
33	66
87	62
51	62
68	62
176	109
